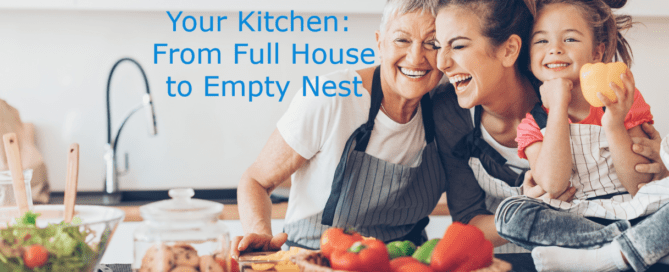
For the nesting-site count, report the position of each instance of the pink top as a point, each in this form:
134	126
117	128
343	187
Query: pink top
528	131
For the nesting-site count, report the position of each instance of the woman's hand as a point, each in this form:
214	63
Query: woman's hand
531	189
556	92
650	148
256	242
276	162
617	111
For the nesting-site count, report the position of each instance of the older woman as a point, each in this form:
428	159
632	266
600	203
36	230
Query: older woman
369	162
483	54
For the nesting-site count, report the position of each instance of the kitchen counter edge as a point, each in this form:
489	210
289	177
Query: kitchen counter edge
231	211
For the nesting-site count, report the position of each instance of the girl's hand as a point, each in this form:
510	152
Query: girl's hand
616	112
531	189
556	93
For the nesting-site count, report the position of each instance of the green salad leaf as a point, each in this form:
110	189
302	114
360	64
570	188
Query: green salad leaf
62	243
66	244
28	219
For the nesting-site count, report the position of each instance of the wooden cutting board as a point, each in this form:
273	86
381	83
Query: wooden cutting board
245	258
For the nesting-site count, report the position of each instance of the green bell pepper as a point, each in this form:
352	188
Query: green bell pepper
424	252
400	249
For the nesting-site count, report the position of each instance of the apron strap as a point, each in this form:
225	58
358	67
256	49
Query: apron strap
520	179
540	115
428	119
377	96
473	145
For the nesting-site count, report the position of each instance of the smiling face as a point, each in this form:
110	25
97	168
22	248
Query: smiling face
467	57
408	56
561	43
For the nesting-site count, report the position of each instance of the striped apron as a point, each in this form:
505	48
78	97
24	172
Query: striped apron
599	192
492	173
380	199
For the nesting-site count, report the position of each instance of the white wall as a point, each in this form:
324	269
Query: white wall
54	67
649	40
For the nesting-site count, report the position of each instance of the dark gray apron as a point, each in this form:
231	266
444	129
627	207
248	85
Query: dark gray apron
380	199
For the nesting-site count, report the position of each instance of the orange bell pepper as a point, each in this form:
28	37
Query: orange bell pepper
595	79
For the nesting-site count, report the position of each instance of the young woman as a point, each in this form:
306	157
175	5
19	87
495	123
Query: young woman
483	54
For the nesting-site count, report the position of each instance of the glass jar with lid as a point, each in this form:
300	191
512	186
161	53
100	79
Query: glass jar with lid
182	233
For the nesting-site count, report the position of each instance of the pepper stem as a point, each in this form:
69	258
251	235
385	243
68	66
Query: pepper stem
357	247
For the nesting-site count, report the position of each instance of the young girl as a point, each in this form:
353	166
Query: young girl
568	142
582	143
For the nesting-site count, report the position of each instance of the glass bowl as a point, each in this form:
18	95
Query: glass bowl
96	224
181	234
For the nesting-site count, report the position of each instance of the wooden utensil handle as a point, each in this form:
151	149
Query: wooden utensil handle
71	182
16	169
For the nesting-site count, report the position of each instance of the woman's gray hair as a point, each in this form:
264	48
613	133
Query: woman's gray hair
401	7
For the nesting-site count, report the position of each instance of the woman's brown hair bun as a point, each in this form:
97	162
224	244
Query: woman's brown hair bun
616	3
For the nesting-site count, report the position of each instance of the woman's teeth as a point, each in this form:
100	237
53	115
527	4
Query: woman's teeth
413	73
458	78
556	65
460	81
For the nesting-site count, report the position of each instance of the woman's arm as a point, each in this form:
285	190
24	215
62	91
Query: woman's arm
486	223
620	139
466	199
550	160
276	162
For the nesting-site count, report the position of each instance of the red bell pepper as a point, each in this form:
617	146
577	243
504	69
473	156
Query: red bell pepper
336	238
463	248
234	265
362	256
408	264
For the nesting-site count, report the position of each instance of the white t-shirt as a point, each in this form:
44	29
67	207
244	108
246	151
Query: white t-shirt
317	128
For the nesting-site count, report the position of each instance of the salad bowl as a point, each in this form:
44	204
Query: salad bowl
40	241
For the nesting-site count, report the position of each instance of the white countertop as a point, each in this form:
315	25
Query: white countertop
121	245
